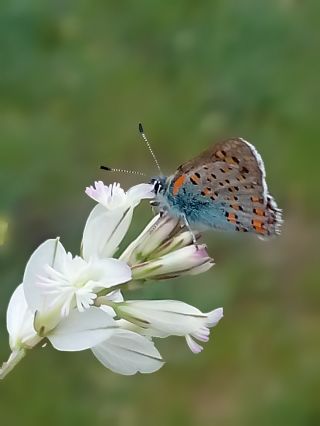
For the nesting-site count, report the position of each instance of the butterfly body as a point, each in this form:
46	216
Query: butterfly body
223	188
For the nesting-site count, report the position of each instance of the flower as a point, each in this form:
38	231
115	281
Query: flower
163	318
76	301
55	282
166	250
123	351
109	221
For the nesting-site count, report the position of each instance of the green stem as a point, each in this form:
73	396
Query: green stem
15	357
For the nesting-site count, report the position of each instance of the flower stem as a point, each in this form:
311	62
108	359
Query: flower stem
15	357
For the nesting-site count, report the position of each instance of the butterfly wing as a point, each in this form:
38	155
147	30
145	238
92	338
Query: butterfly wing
225	188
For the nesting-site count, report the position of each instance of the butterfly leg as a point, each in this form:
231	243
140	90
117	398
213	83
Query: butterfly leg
155	205
194	239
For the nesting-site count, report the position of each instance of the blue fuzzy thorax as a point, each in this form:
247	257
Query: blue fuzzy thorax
199	211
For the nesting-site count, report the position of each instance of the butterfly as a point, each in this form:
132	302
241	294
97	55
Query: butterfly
222	188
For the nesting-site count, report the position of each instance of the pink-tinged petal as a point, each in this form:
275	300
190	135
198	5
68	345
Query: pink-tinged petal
111	197
213	317
97	192
128	353
82	330
51	253
202	334
193	345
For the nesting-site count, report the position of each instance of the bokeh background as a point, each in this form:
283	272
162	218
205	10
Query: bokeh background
75	79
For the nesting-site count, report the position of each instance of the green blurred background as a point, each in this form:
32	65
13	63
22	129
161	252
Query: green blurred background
75	79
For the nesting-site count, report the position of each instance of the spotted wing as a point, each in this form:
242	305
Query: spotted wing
228	180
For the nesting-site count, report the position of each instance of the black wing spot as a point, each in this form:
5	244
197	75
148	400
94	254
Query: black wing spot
194	182
235	159
197	174
214	176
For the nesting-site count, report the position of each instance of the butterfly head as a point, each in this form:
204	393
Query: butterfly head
159	183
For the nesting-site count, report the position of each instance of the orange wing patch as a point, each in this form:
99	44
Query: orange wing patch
258	226
178	183
232	218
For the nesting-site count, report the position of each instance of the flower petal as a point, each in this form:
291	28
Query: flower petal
110	272
129	252
128	353
19	319
193	345
138	192
213	317
169	317
110	196
104	231
82	330
52	253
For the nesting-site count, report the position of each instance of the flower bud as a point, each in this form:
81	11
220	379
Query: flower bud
157	232
190	260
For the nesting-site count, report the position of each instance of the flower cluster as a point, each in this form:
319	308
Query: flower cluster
76	302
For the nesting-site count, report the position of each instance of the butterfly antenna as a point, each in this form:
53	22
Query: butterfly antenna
149	147
131	172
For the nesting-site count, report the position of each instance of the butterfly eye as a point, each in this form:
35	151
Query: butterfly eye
157	186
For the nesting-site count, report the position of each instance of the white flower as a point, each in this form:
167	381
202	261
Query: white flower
55	282
163	318
123	351
109	221
76	302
